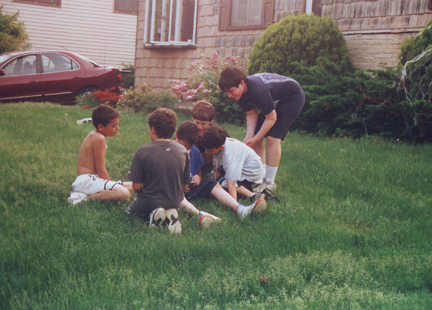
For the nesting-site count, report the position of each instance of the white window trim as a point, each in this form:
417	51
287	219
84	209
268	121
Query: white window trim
148	42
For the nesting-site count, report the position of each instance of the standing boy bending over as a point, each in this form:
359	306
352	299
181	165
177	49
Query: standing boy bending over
187	135
242	166
92	179
279	100
158	172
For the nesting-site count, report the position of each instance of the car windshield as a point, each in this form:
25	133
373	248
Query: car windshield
86	59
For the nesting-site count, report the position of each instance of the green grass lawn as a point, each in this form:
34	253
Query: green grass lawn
353	229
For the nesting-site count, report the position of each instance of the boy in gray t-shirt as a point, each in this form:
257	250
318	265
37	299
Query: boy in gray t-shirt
158	172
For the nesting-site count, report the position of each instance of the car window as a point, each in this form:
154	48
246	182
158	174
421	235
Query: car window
57	63
23	65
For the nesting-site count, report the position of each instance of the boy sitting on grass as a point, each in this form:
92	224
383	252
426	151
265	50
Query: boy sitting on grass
203	114
92	179
187	135
158	172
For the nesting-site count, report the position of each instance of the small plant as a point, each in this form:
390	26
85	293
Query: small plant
13	34
202	84
144	98
109	97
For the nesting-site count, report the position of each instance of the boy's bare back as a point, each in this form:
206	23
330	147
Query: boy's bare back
91	158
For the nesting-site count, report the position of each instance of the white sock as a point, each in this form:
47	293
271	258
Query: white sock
271	173
263	171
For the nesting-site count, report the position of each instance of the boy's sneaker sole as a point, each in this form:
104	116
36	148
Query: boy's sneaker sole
157	217
173	224
260	206
206	220
269	195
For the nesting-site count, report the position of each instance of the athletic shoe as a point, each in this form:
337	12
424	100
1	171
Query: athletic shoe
266	184
157	217
258	206
269	195
257	196
77	197
206	219
172	221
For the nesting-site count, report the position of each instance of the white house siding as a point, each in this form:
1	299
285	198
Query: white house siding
87	27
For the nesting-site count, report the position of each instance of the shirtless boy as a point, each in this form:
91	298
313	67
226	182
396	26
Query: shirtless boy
93	180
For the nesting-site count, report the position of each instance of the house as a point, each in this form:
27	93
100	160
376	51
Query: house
172	34
103	31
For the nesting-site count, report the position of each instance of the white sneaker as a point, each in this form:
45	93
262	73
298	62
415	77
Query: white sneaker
157	217
172	221
206	219
258	206
266	184
77	197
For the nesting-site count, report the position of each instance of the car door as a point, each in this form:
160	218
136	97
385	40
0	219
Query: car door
61	77
21	81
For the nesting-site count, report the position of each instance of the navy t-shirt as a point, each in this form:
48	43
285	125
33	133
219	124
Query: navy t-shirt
268	92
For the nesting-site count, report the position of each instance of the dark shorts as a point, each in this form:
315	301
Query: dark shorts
246	184
139	208
202	190
286	116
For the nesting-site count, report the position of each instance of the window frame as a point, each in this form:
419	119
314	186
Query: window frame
150	20
119	11
225	8
40	2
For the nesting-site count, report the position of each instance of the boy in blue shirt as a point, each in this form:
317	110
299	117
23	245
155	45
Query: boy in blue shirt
187	135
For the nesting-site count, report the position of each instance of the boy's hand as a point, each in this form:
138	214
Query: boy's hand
197	179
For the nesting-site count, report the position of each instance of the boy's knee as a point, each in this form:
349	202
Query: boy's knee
123	192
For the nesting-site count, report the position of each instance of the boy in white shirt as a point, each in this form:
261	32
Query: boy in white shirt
241	165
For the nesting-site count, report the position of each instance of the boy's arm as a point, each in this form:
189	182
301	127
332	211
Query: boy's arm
99	150
232	190
136	186
270	120
251	122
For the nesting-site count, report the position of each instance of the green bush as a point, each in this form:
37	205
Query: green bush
415	45
302	38
128	74
342	100
13	35
144	98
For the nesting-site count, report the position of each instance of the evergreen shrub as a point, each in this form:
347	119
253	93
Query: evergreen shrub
342	100
302	38
13	35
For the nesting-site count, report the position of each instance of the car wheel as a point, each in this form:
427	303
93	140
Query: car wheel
87	90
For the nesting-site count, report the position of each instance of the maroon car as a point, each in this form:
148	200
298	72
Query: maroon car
54	76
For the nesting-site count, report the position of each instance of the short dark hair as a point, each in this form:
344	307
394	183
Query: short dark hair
164	121
188	131
214	137
103	115
231	77
203	110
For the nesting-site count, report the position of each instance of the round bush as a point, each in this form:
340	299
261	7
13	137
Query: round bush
302	38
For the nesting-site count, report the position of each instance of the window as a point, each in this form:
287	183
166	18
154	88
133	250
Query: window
171	23
245	14
24	65
126	6
52	62
56	3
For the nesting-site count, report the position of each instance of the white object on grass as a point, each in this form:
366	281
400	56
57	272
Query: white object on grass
84	120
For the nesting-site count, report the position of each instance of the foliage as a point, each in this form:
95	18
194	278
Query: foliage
302	38
128	75
415	45
139	98
13	35
342	100
144	98
202	84
109	97
353	229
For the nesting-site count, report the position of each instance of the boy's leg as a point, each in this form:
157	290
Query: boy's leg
118	193
188	206
259	148
244	191
224	197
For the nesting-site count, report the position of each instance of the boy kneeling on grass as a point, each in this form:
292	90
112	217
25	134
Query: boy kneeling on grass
241	165
92	179
187	135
